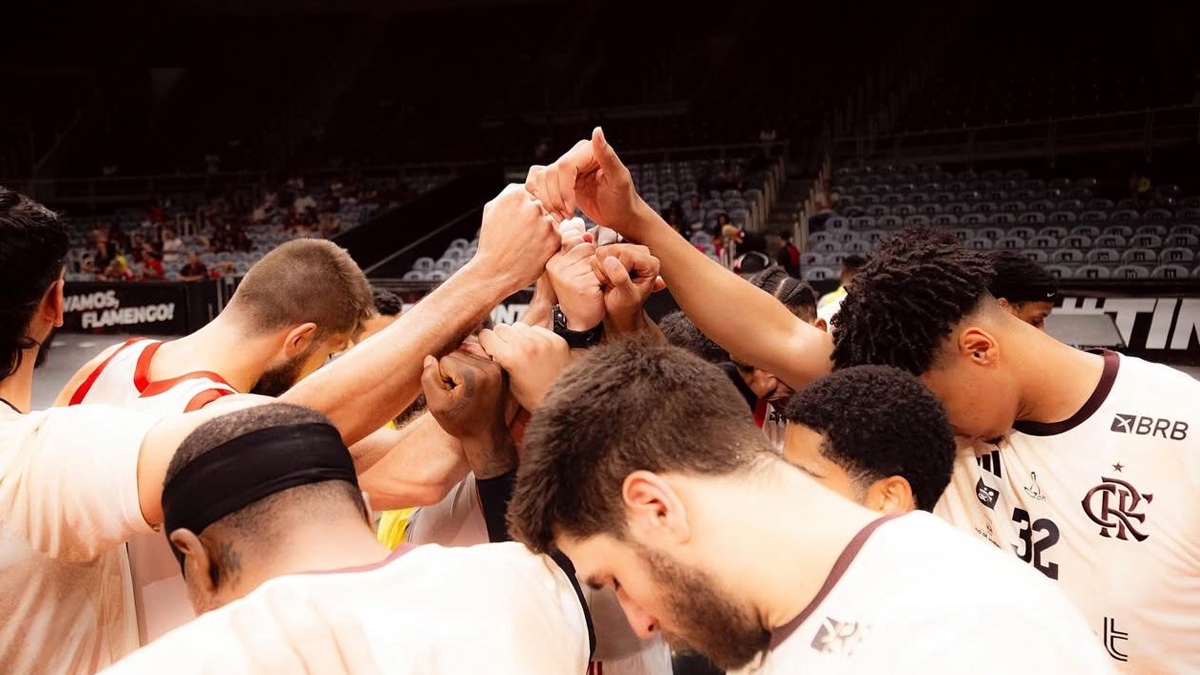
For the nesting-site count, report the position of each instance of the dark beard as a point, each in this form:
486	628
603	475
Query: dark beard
707	622
276	381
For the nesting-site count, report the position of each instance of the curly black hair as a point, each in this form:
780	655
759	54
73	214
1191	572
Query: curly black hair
880	421
386	302
33	247
680	331
796	295
907	299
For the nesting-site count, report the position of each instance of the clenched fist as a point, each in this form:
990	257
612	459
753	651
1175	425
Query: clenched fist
517	238
466	394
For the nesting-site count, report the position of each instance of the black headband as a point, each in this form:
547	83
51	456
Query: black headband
251	467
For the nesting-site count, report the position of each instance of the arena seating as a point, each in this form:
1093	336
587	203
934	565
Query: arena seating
1057	223
662	185
347	206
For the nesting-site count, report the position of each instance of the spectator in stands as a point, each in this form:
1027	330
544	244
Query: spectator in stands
693	211
103	250
118	237
171	246
117	270
675	218
194	270
830	303
1024	288
788	255
152	265
304	203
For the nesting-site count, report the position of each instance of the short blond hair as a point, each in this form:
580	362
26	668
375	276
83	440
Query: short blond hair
303	281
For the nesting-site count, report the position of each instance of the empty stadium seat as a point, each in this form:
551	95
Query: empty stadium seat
827	247
1093	216
1091	272
1059	271
1042	241
413	275
963	234
1062	217
1055	231
1123	215
1086	231
1169	272
1103	255
889	221
819	274
1076	241
1191	241
875	236
1010	243
837	223
1002	219
1068	256
1031	218
1146	241
944	219
1022	232
1139	255
811	258
1157	214
1193	230
1156	230
844	236
1036	255
820	237
862	223
1177	255
1119	230
1131	272
423	264
979	244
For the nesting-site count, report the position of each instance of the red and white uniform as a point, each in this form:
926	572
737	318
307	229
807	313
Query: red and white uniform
123	380
458	521
1107	504
425	610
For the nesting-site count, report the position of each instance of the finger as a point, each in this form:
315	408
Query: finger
598	268
571	243
553	197
433	382
617	274
532	184
581	157
606	157
564	181
659	284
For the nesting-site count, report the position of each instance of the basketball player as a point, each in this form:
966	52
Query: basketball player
1024	288
641	468
1086	465
68	607
298	305
773	394
249	543
873	434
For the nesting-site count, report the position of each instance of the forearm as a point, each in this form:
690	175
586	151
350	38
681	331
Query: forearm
373	382
418	469
722	304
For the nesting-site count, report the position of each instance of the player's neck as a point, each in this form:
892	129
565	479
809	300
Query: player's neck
220	347
17	388
786	556
328	546
1056	379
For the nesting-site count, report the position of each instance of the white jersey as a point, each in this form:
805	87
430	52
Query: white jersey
910	595
770	419
458	521
426	609
68	501
123	380
1106	504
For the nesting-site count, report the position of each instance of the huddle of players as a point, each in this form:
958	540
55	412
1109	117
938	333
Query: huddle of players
639	473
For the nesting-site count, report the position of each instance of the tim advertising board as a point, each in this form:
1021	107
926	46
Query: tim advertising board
1156	324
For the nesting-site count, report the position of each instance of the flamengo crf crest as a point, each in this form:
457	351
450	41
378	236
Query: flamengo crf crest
1113	505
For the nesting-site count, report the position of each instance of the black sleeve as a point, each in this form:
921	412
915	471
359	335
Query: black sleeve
494	494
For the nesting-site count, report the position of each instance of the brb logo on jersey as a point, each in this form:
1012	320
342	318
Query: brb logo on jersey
1149	426
1113	505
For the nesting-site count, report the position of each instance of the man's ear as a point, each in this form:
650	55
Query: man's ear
821	324
653	510
979	345
53	304
890	495
197	565
299	339
1003	302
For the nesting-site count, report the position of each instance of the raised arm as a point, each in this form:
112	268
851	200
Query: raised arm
368	386
721	303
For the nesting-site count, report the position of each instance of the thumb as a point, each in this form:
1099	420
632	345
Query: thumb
432	382
659	284
617	274
606	157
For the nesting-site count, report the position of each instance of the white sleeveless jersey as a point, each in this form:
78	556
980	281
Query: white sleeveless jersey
458	521
122	380
1106	503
